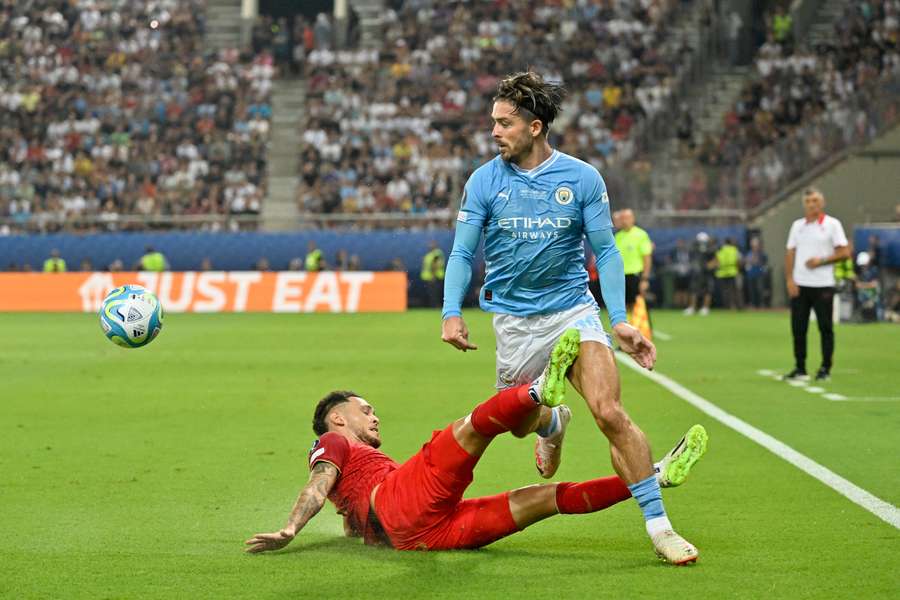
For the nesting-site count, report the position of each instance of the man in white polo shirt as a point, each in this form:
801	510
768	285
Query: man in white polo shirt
814	244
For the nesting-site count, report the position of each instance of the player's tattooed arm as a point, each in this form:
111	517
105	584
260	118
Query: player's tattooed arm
310	501
312	498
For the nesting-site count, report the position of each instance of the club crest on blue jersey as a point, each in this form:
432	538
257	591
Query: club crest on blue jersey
564	195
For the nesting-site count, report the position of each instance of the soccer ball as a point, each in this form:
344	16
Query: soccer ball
131	316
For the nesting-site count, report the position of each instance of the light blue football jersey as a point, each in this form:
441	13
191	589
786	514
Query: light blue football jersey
533	224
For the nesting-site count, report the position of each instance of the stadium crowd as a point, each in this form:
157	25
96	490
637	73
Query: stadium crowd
804	105
399	128
111	107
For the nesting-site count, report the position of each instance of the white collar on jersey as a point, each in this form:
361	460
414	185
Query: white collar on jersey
534	171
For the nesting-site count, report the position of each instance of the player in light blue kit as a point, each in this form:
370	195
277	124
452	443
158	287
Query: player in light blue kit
534	205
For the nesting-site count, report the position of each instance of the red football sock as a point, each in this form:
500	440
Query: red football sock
503	411
590	496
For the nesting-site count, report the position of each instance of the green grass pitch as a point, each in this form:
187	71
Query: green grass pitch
139	473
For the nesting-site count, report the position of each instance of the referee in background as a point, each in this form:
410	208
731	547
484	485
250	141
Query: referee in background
814	244
637	255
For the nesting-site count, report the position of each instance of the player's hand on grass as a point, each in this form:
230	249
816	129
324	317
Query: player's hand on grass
636	345
266	542
455	333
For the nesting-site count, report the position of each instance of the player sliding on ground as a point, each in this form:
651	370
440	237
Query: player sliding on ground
534	206
418	505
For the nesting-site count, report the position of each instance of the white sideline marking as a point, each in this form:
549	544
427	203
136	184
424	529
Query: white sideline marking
662	335
805	386
878	507
864	398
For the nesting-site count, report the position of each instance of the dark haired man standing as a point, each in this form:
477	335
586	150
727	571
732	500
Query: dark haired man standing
534	204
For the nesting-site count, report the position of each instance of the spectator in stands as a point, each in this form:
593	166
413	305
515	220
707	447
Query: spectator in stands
734	25
263	264
86	265
55	264
145	129
756	274
396	129
807	104
782	25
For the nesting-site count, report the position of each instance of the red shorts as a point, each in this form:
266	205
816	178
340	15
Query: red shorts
420	505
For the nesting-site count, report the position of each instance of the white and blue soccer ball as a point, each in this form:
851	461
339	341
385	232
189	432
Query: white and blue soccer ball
131	316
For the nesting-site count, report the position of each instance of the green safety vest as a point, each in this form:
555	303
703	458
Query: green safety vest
313	260
433	265
843	269
781	26
727	256
633	245
153	261
54	265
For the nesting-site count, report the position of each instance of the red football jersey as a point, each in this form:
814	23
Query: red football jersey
361	469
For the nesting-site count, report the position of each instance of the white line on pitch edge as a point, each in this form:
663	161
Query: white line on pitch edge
662	335
862	398
878	507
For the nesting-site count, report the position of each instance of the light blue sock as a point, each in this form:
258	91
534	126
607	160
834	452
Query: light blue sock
648	497
551	427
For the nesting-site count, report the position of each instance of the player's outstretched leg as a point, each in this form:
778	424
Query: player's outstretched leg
481	521
673	468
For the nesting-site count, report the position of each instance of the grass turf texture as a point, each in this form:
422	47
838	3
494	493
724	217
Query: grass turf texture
139	473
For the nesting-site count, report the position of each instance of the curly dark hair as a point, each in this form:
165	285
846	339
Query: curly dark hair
320	427
532	97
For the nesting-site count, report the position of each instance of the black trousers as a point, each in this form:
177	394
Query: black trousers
820	300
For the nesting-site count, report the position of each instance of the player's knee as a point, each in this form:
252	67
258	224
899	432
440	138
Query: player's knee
521	431
611	418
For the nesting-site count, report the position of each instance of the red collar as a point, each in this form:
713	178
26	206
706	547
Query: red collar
820	220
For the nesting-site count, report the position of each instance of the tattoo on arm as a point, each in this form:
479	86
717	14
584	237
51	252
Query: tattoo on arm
312	497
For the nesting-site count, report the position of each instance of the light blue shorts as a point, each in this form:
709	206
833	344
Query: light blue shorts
524	343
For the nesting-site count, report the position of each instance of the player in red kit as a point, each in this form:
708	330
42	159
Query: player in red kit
418	505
